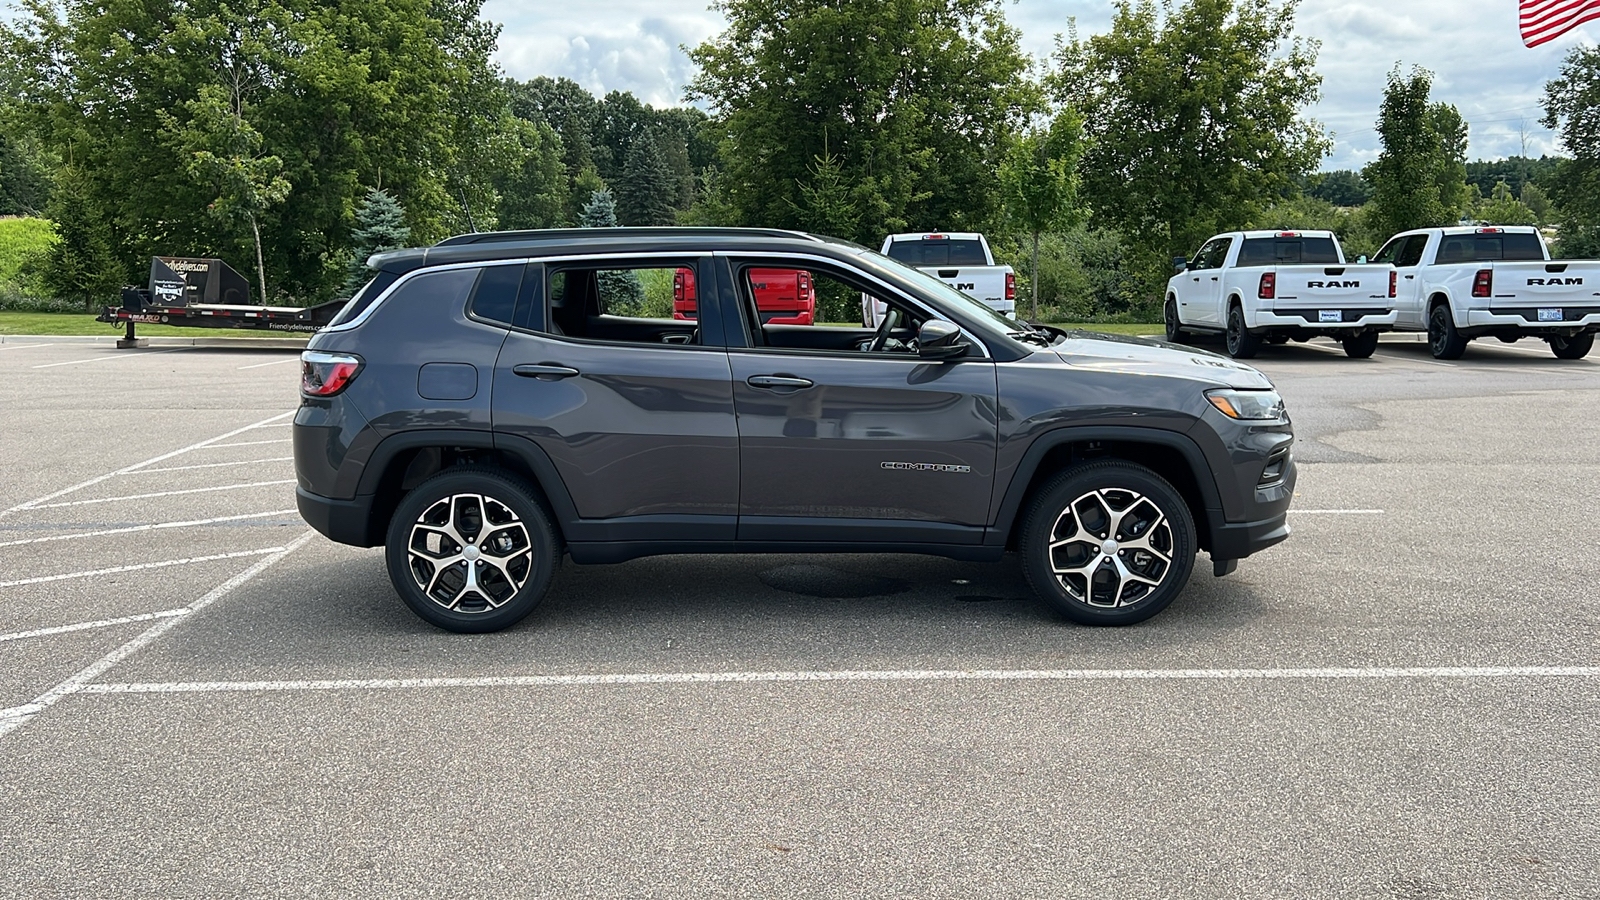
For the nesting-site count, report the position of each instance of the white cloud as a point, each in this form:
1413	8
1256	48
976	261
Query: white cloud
1473	49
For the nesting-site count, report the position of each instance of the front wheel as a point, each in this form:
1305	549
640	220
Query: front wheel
1108	543
1362	345
1444	341
1575	347
470	550
1241	343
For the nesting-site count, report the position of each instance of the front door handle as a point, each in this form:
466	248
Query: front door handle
1409	277
544	371
778	382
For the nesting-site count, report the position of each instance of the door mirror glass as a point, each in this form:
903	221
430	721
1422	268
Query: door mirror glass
1361	260
1180	263
938	339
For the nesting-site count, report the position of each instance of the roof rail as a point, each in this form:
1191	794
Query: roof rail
487	237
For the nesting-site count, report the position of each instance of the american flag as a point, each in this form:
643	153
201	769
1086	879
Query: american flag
1546	20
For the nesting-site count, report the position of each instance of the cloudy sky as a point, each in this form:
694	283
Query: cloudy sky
1472	47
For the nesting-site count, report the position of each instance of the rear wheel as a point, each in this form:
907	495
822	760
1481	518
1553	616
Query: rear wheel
1241	343
1169	314
1108	543
1443	339
1575	347
470	550
1362	345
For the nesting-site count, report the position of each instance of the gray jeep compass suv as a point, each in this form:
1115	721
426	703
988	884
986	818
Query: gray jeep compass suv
488	404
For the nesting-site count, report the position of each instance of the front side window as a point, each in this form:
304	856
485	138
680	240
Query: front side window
1213	254
848	314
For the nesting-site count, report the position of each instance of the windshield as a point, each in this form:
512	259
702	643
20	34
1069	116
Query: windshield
993	324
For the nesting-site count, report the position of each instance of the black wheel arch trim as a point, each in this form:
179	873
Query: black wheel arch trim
1200	468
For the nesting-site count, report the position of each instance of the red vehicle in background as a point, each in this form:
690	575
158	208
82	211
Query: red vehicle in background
783	296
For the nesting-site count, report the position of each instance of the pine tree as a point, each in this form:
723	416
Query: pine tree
648	189
80	265
620	290
380	225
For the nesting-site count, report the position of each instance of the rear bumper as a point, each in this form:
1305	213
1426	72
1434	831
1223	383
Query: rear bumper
342	521
1309	319
1493	320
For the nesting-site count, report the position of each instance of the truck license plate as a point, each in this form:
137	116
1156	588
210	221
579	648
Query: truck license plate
1549	315
1329	315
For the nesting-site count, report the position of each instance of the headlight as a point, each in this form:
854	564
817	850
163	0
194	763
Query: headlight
1247	405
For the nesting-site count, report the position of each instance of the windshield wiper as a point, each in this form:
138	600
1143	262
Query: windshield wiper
1032	336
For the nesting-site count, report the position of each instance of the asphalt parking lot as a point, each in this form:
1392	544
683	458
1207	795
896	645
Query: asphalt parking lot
199	697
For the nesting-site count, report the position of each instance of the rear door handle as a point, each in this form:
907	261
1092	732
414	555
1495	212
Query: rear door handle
1409	277
544	371
778	382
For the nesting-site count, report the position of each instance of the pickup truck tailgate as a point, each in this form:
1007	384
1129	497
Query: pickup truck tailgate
1323	293
987	283
1544	291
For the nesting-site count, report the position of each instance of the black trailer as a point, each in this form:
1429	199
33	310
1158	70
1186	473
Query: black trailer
206	293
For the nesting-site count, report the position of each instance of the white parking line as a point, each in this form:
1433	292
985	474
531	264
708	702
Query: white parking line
139	567
1303	674
226	487
73	362
22	346
86	626
18	716
139	465
242	462
276	362
1337	512
247	443
155	526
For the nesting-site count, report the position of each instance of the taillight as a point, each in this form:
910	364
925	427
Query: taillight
1483	283
803	286
677	286
1394	283
325	374
1268	288
1011	286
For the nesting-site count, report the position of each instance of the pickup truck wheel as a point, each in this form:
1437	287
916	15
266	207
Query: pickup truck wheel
1108	543
1241	343
470	550
1443	339
1361	346
1575	347
1169	314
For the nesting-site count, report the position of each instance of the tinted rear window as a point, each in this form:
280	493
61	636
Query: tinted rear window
1476	247
364	297
942	252
496	296
1271	251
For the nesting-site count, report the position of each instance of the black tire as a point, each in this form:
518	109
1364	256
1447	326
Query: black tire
1241	343
1443	339
477	504
1079	579
1361	346
1575	347
1169	315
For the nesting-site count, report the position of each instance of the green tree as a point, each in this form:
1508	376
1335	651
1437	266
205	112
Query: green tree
1503	209
914	100
648	191
1040	180
1536	200
1192	116
621	288
1572	110
532	187
1342	188
359	93
380	225
1419	178
81	265
826	204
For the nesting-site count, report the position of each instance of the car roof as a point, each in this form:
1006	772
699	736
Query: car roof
503	245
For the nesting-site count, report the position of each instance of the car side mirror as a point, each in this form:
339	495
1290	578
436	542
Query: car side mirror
1181	263
1361	260
938	339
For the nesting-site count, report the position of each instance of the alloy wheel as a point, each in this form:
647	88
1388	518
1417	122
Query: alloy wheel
469	553
1111	548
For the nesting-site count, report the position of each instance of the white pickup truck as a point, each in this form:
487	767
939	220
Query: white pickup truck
1256	286
959	259
1461	283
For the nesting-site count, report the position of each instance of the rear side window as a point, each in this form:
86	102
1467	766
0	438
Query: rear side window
364	297
938	252
1272	251
495	297
446	288
1489	247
